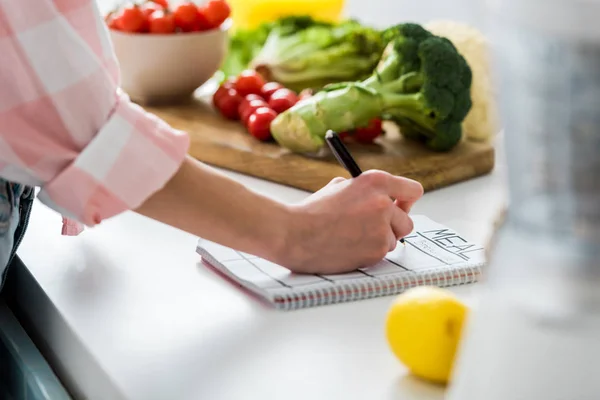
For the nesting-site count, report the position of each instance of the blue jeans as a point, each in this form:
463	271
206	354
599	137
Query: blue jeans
16	201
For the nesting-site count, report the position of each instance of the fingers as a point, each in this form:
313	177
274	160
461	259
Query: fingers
405	191
401	223
393	241
404	205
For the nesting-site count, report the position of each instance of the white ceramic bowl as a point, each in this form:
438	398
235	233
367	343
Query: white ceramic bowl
168	68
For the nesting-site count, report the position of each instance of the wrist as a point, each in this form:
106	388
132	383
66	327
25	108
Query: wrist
278	227
290	225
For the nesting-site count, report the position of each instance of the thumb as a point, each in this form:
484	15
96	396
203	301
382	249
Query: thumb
335	181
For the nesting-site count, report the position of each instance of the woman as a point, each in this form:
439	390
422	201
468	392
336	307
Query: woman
66	128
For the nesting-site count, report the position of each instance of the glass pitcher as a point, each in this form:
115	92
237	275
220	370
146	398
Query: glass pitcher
535	333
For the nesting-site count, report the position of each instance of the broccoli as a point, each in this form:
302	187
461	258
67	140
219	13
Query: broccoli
317	53
422	83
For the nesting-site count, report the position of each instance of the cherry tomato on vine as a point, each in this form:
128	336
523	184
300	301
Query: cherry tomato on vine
247	100
343	135
131	19
249	82
202	23
221	90
161	22
186	15
269	88
250	109
229	104
217	11
369	133
282	100
112	21
259	123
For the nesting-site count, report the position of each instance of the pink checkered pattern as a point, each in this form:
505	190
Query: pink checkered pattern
65	125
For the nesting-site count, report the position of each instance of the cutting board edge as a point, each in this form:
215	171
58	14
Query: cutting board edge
455	173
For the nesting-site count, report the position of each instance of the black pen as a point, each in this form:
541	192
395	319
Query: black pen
342	154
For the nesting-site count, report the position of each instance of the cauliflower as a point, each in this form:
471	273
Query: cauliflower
481	123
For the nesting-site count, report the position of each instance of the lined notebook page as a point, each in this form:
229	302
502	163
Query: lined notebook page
433	254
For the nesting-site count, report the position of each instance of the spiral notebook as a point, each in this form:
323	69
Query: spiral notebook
433	255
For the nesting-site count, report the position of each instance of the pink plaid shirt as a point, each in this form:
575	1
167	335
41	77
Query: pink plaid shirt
64	124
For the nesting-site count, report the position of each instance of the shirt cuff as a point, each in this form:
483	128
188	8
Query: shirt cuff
71	227
132	156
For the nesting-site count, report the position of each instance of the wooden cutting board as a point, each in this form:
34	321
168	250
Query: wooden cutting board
226	144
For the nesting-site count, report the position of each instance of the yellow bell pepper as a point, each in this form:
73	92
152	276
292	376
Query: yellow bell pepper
251	13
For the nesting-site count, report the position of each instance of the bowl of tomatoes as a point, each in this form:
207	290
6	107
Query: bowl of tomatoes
166	52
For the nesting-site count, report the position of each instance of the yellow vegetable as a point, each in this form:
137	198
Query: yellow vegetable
481	123
423	329
251	13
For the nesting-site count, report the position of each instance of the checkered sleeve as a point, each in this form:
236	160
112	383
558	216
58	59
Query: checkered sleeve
64	123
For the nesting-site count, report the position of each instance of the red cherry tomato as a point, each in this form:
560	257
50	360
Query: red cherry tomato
249	82
217	11
282	100
112	21
343	135
259	123
250	109
113	24
369	133
162	3
230	83
161	22
229	103
221	90
186	16
132	19
269	88
202	23
247	100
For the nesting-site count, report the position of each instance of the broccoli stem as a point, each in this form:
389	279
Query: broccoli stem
410	106
303	127
408	83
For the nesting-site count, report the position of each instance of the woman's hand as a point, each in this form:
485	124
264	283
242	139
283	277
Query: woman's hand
346	225
350	223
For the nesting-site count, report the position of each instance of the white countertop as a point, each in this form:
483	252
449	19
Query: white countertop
127	312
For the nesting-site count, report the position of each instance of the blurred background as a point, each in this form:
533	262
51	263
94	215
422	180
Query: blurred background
376	12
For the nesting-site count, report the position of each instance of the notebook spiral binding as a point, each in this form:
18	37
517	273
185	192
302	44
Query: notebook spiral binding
360	289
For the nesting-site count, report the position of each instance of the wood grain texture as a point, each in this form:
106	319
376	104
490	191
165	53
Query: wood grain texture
226	144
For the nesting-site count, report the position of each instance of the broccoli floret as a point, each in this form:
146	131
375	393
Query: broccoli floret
421	82
426	81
